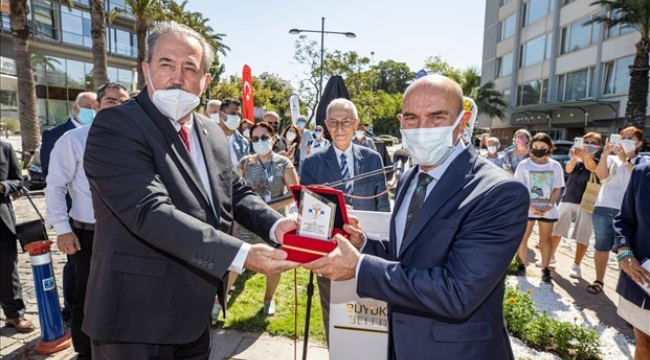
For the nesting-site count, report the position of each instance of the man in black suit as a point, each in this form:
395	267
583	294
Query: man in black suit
88	101
11	296
165	197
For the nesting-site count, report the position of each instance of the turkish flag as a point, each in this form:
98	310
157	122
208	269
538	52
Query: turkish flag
248	108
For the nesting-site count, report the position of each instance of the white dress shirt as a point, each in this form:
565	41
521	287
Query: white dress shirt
233	153
67	176
349	159
196	154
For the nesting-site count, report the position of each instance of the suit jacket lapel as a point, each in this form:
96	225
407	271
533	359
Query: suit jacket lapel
176	144
332	164
457	175
358	160
402	188
211	163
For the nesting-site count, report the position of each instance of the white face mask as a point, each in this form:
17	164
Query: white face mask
628	145
216	117
359	134
174	103
247	133
232	122
430	146
291	136
492	149
262	147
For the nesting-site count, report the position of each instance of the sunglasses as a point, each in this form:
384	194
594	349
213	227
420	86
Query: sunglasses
258	138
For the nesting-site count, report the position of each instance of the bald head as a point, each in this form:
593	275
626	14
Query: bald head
439	85
87	100
212	107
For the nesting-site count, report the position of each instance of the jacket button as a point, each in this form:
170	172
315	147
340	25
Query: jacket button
210	265
200	261
194	259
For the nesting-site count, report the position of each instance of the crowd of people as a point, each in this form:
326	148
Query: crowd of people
159	207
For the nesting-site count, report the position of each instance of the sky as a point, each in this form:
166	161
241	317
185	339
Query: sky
410	31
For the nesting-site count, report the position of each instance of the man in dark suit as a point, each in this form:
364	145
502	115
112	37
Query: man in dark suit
11	297
165	196
88	101
345	159
456	225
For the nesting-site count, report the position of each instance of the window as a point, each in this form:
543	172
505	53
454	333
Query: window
617	75
122	42
566	2
578	36
76	27
537	9
532	92
119	4
44	19
76	74
536	50
576	85
5	22
55	70
503	2
504	65
507	27
618	30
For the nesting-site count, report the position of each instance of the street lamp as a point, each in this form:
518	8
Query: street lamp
322	46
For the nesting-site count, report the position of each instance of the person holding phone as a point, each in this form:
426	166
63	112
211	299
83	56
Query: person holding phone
270	175
293	137
614	172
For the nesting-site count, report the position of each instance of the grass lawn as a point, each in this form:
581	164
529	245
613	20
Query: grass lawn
245	307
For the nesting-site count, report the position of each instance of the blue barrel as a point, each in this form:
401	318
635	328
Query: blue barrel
53	333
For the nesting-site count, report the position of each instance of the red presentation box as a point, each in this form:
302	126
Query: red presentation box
303	249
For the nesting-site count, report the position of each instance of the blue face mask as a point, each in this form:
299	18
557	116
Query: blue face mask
317	133
86	116
301	124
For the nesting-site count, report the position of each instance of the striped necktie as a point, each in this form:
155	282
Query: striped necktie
345	173
417	199
184	133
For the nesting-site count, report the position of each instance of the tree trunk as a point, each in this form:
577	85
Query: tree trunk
98	32
637	98
30	130
141	32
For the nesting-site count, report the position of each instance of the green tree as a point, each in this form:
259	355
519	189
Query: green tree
634	14
392	77
30	130
307	52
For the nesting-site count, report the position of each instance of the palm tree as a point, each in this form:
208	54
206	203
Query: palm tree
488	99
634	14
98	33
30	130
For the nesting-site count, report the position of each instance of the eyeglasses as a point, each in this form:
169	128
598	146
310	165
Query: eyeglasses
258	138
336	124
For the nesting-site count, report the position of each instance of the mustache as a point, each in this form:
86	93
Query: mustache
175	87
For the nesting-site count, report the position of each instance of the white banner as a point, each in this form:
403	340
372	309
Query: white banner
359	327
294	104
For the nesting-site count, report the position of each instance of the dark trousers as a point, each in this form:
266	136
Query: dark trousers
81	265
68	290
11	294
198	349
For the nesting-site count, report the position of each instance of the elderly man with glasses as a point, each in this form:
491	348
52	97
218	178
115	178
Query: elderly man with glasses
342	161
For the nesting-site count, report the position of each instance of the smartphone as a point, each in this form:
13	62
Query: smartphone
615	139
578	142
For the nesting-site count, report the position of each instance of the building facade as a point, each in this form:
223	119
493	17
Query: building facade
61	50
559	75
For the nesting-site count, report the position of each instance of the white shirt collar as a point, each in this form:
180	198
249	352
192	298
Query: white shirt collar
348	152
189	123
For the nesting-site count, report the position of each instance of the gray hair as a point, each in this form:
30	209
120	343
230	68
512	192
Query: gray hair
343	104
213	103
175	29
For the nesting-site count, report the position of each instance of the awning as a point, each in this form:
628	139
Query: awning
578	104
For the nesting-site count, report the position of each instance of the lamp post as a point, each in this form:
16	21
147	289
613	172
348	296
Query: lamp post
322	46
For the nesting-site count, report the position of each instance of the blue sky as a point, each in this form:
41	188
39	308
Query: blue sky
402	30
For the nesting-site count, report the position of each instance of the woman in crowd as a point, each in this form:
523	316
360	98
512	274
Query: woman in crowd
270	175
514	156
614	171
319	143
245	128
544	178
493	146
293	136
632	229
580	168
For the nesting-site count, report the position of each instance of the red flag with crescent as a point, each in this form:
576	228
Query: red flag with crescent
248	107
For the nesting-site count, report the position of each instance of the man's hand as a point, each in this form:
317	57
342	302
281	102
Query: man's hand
68	243
357	237
268	261
340	264
284	226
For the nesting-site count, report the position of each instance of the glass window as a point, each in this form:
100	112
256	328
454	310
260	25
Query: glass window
76	27
575	85
125	77
504	65
532	92
537	9
42	111
76	75
618	30
507	27
617	75
44	19
6	22
533	52
503	2
55	70
58	111
112	74
578	36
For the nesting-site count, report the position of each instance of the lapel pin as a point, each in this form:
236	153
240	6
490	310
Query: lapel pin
205	131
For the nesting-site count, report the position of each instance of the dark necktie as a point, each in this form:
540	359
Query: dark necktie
184	133
417	199
345	173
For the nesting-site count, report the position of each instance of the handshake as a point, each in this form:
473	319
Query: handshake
340	264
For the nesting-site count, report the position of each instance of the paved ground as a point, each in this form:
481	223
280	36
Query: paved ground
240	346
